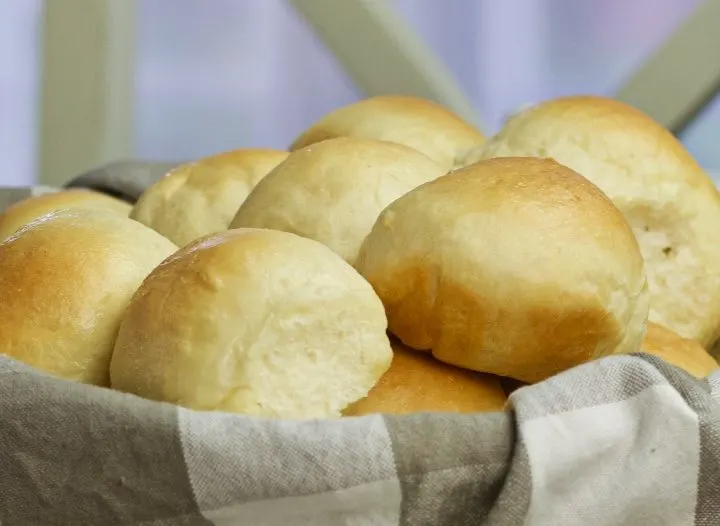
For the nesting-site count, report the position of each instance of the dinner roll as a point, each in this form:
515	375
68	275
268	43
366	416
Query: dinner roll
27	210
418	123
333	191
259	322
65	281
681	352
671	204
518	267
417	382
201	198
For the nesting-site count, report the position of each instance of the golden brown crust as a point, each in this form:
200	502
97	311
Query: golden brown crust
417	382
671	204
415	122
202	197
516	266
27	210
65	281
681	352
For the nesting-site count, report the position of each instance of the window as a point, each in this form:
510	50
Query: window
228	73
514	52
19	75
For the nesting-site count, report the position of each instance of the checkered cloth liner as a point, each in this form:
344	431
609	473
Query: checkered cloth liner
626	440
123	179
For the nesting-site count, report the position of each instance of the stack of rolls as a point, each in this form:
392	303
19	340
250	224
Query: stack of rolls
392	261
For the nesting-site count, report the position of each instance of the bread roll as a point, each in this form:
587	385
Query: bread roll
417	382
333	191
65	281
517	267
671	204
681	352
201	198
418	123
27	210
258	322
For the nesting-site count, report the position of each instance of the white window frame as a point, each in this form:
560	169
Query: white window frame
87	86
683	74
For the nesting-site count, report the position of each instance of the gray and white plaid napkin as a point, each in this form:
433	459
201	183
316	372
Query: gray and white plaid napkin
626	440
123	179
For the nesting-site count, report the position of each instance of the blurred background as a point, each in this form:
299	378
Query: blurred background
211	75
